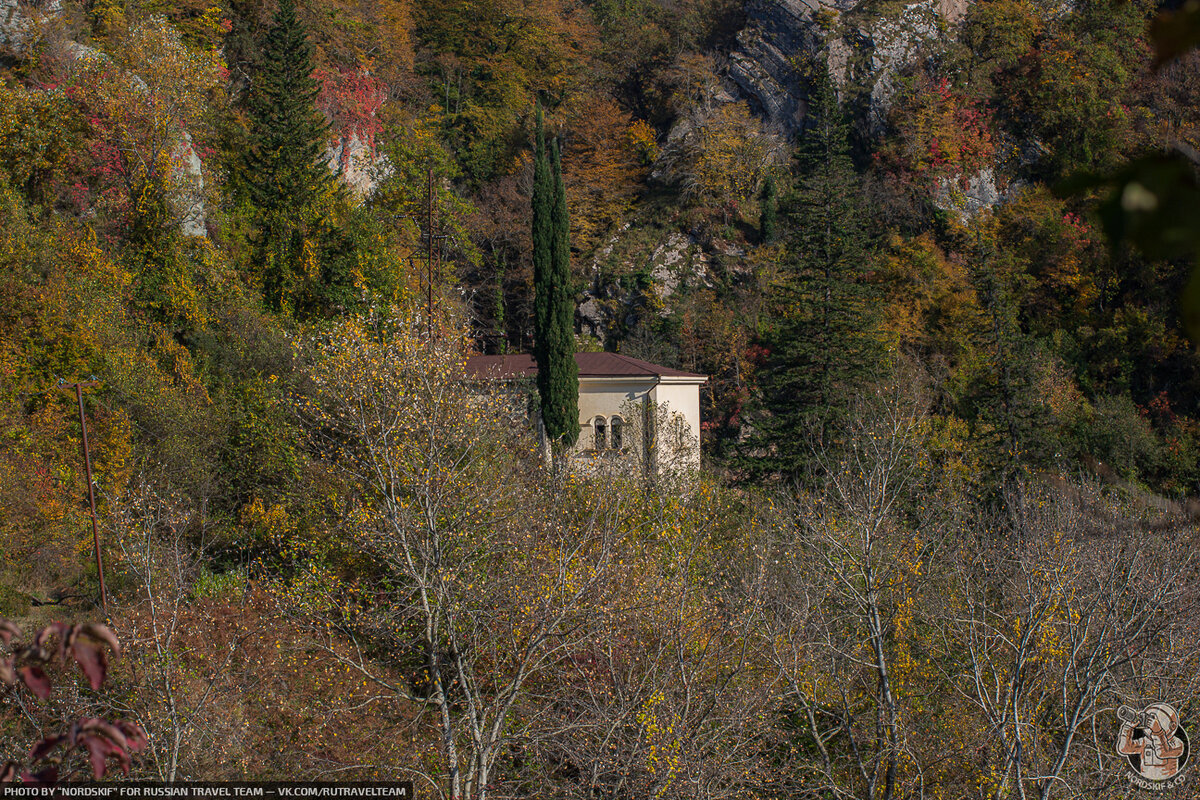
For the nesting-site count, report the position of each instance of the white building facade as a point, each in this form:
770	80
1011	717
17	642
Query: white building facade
630	411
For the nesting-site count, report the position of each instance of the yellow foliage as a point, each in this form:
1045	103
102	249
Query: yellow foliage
723	155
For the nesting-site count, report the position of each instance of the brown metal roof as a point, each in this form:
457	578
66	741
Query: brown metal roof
591	365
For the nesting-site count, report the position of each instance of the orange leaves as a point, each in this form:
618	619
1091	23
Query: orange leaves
644	140
930	301
378	35
1058	248
604	164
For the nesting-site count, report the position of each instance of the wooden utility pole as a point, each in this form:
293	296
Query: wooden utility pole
433	257
429	255
427	220
87	465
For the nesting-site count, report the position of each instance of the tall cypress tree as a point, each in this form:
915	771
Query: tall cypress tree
822	345
559	381
543	202
554	300
286	173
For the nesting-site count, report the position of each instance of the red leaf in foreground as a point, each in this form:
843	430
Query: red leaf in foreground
104	634
134	735
45	747
98	748
92	660
36	680
114	734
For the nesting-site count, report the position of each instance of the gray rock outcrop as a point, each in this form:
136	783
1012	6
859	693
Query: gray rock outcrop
888	45
866	50
356	164
675	261
21	21
764	67
188	177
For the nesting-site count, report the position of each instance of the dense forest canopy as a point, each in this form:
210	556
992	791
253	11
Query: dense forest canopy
940	260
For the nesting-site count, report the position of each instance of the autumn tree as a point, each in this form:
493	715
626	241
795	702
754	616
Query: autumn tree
1003	399
491	57
670	694
941	136
995	36
145	107
174	693
722	157
606	155
1068	91
63	317
476	574
846	581
1060	620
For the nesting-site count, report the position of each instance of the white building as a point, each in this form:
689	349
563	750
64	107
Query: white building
628	408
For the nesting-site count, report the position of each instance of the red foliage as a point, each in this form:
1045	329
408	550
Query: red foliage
940	132
1078	230
1159	409
350	100
757	354
101	740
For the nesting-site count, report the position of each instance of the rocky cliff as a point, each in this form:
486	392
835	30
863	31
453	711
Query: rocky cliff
866	46
20	21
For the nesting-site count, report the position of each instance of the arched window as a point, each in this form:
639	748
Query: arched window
618	427
601	430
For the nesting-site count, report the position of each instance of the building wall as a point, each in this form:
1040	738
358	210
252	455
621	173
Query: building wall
680	404
677	407
610	397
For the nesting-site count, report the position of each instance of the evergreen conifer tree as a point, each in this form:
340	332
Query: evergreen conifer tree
543	202
1001	399
768	218
554	301
560	387
286	173
822	345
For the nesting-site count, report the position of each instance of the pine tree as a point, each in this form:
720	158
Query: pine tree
1008	416
821	345
286	173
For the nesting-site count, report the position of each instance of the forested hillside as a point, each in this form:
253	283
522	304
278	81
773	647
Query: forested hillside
939	259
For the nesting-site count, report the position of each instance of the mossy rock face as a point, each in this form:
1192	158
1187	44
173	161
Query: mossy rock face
12	602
